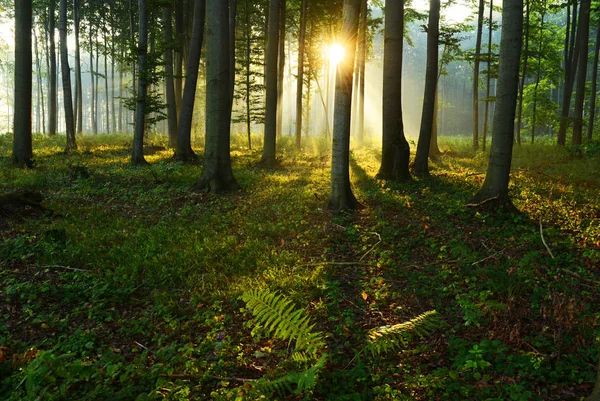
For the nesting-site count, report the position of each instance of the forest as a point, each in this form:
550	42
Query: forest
299	200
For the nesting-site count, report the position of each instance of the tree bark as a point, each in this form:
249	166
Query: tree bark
22	144
93	80
66	79
524	73
583	33
488	79
137	156
395	155
269	150
53	95
421	167
537	77
590	132
217	175
497	177
300	79
78	113
362	59
170	86
571	58
341	197
184	151
281	67
476	76
179	34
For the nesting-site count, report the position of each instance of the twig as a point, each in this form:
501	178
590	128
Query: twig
588	280
497	197
142	345
335	264
373	247
196	377
543	240
64	267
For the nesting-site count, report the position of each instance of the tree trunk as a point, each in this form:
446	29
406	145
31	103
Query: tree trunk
524	73
476	76
106	97
421	167
137	156
362	59
184	151
179	34
232	29
93	80
53	95
300	79
170	86
281	67
248	73
341	197
590	132
488	80
217	175
434	149
269	150
66	79
571	58
537	77
495	186
395	155
78	113
40	87
22	144
583	33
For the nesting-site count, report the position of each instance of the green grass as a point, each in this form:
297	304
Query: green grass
130	288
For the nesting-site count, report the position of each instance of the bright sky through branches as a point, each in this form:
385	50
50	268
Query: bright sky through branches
456	12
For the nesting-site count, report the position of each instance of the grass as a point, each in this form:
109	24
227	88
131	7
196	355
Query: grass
130	288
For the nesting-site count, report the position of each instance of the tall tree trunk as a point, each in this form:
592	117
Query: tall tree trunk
341	197
106	93
488	79
269	149
179	35
538	76
582	42
232	30
248	74
217	175
476	76
590	132
40	85
78	113
421	167
525	57
169	83
66	79
22	144
132	44
281	67
53	95
571	58
362	59
495	186
97	85
93	82
184	151
395	155
300	79
137	156
434	149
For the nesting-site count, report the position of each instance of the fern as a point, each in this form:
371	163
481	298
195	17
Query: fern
303	381
280	318
386	338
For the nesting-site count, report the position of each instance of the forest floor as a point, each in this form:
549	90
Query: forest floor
128	286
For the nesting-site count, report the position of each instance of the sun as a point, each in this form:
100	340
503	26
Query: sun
336	53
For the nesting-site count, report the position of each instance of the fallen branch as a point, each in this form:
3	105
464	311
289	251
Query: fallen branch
335	264
544	241
64	267
198	378
497	197
373	247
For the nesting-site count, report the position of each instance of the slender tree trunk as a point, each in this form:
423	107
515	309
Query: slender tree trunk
179	35
97	86
137	156
248	58
184	151
300	79
66	79
582	42
132	44
421	167
40	86
495	186
434	149
121	97
78	113
232	30
395	155
169	83
22	144
537	77
590	132
93	82
217	175
571	58
488	79
476	76
106	93
281	67
269	149
341	197
362	59
53	95
525	57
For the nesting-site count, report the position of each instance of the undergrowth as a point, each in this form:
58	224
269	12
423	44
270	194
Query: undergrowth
130	286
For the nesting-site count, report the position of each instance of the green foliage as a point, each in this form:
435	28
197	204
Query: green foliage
387	338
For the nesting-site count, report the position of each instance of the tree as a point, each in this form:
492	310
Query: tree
590	132
495	186
184	150
217	175
395	154
169	84
361	61
137	156
421	167
22	146
524	71
300	79
269	149
66	79
53	91
341	197
281	67
476	76
583	33
78	113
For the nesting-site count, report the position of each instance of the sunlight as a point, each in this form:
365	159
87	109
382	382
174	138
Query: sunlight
336	53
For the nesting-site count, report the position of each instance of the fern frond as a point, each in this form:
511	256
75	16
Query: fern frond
302	381
283	320
385	338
